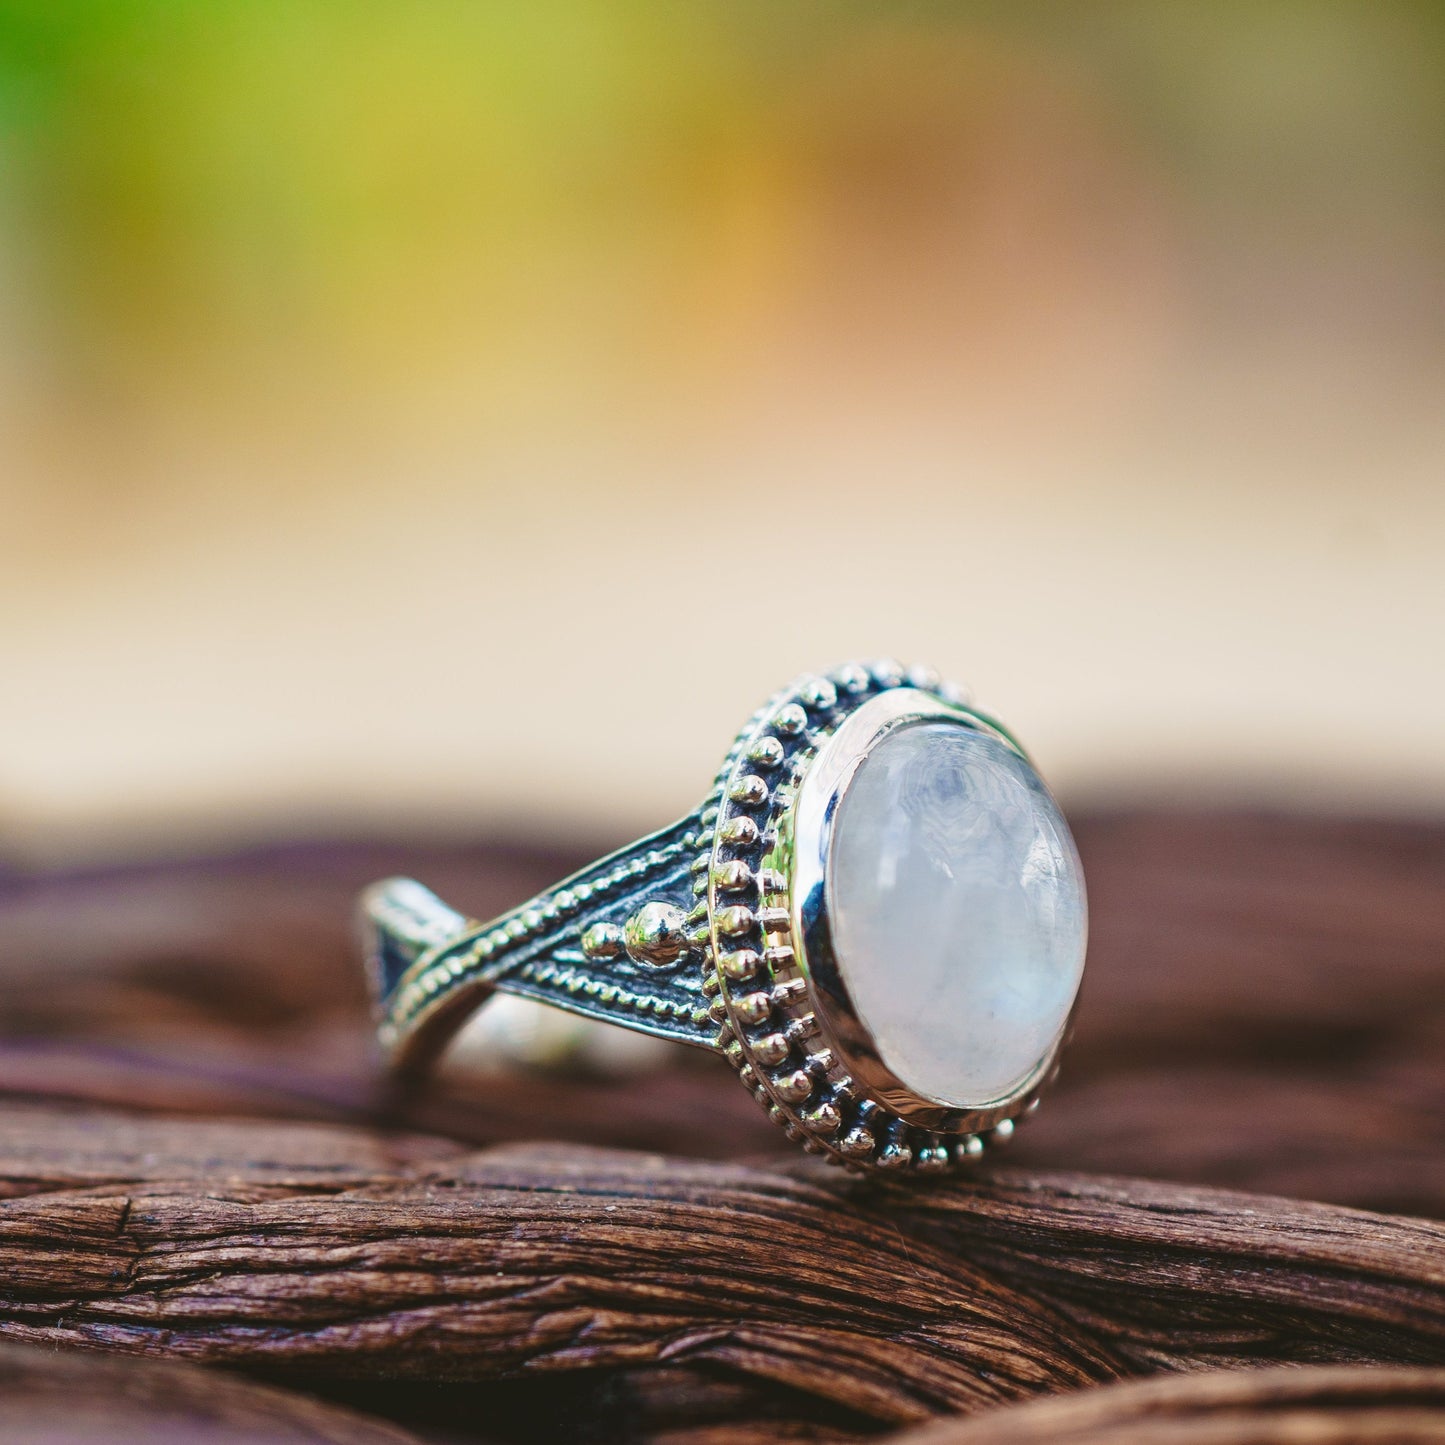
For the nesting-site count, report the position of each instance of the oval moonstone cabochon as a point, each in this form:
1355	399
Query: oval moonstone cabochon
958	912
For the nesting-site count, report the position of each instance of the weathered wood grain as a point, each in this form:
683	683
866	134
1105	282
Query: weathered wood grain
1175	1277
50	1397
1317	1406
266	1248
199	1162
331	1251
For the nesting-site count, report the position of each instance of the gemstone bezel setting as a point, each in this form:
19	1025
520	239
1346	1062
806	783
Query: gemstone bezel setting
789	1022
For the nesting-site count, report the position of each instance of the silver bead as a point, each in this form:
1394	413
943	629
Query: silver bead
740	965
739	832
771	1049
732	877
656	934
749	791
789	720
766	752
825	1119
603	940
818	694
775	920
753	1008
736	920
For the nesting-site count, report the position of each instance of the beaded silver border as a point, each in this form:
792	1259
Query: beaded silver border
777	1027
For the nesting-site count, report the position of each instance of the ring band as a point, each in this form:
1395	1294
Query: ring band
876	915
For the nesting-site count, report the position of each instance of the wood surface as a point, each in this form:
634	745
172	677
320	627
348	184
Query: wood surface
1262	1406
1244	1165
50	1395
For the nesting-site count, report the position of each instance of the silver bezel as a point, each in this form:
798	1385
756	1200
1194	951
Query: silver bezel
788	1022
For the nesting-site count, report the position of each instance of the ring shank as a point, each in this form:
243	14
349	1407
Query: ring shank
431	967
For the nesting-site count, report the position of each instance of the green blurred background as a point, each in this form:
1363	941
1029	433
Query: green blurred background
449	415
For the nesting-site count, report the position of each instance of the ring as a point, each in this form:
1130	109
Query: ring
877	916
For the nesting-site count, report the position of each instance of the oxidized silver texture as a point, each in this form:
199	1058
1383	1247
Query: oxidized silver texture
714	932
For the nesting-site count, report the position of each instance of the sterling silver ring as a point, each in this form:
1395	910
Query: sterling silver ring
877	916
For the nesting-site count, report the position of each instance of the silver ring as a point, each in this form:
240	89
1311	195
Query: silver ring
877	916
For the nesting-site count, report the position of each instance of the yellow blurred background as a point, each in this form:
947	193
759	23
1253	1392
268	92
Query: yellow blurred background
460	416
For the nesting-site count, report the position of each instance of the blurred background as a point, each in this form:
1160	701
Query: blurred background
444	416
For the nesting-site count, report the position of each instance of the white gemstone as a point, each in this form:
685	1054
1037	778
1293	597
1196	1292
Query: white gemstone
958	911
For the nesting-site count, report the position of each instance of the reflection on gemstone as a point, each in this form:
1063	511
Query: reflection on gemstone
958	911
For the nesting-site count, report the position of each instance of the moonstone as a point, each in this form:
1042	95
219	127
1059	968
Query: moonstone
958	911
